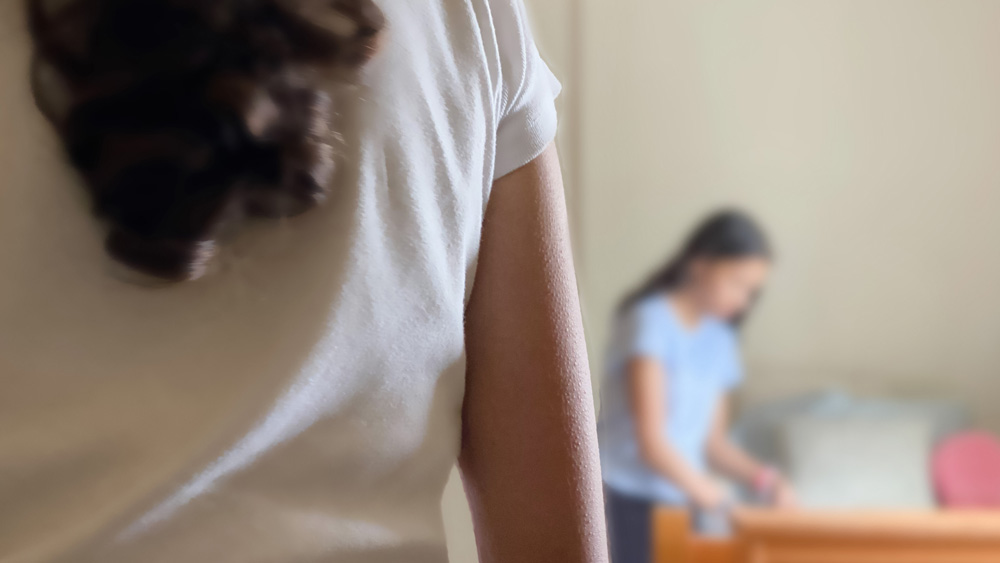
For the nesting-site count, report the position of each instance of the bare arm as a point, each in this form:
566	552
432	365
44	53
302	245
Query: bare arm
646	383
726	456
732	460
529	449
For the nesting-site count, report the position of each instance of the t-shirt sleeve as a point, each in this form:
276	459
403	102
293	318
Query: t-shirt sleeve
526	111
642	335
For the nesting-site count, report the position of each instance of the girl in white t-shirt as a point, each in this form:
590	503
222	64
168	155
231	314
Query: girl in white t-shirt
299	389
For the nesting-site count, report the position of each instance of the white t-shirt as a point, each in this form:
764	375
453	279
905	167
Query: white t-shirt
303	403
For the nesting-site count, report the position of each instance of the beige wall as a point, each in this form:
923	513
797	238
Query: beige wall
865	134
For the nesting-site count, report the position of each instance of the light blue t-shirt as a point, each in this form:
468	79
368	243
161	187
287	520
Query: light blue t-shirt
701	365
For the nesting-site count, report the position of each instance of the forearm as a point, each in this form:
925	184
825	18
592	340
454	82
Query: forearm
730	459
663	458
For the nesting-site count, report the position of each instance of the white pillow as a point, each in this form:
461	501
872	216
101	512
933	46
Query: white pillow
860	461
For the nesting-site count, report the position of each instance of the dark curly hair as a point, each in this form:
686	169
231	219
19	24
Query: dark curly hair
182	115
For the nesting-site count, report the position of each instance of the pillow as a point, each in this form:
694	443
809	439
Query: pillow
758	429
860	461
947	418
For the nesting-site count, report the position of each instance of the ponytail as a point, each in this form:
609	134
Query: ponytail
727	234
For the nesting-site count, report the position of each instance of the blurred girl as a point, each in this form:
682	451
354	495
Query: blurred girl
674	359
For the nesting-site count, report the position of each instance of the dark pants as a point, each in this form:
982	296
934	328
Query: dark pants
630	527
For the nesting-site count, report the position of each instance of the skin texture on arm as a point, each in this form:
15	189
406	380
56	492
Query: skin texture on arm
529	447
647	388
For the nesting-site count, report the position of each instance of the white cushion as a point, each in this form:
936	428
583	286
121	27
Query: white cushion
860	461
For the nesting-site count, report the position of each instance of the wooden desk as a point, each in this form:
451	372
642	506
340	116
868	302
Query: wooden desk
673	541
868	537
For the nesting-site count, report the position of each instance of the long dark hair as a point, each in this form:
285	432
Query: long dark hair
726	234
182	115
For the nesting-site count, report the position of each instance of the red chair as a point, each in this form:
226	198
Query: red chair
966	471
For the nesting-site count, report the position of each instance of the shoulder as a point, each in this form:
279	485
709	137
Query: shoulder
641	330
648	316
648	309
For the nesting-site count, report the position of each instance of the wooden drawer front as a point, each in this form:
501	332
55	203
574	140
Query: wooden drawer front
864	537
824	553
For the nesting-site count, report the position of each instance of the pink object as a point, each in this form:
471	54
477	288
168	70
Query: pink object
966	471
766	481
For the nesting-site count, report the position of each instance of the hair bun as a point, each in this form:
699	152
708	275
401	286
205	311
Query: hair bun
182	114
